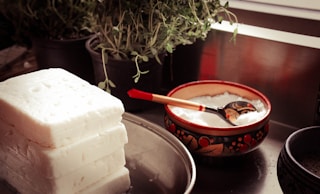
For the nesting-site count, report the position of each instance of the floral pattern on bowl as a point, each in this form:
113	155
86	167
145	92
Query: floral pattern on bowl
210	145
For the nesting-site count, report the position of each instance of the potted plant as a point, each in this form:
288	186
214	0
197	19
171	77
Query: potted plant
56	29
137	32
183	65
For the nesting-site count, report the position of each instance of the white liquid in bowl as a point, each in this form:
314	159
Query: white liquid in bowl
213	120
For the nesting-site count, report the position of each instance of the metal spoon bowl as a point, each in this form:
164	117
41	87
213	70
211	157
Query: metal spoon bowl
232	110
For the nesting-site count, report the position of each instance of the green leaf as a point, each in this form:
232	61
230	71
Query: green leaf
134	53
154	51
136	79
158	59
112	84
169	48
108	90
145	58
102	85
220	19
115	28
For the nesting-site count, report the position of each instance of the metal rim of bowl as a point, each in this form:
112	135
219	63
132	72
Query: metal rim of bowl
232	128
173	141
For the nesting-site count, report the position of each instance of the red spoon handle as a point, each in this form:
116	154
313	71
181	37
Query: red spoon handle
138	94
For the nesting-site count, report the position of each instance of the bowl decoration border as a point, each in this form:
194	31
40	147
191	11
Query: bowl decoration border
211	145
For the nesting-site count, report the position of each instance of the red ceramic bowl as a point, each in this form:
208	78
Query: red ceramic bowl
213	141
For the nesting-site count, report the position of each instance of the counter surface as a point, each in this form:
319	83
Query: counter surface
255	172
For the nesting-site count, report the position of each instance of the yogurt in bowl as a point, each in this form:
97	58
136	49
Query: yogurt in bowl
220	100
207	134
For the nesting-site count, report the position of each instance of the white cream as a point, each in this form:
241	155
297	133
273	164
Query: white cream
213	120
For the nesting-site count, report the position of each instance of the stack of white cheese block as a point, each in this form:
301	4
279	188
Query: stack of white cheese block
59	134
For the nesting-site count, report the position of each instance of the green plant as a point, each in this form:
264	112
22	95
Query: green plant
142	29
54	19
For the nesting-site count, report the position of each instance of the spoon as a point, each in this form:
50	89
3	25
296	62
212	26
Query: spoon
229	113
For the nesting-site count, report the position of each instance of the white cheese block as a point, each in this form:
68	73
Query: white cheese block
115	183
53	163
27	180
55	108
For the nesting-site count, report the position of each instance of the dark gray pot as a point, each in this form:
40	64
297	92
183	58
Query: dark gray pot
121	72
294	175
70	55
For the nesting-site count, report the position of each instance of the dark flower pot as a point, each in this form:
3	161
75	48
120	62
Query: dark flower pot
183	65
298	166
120	72
70	55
